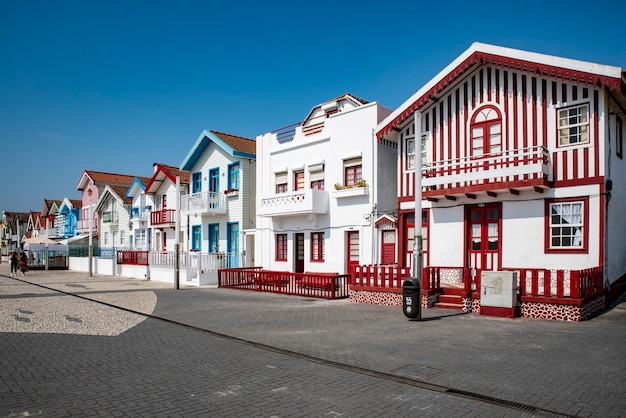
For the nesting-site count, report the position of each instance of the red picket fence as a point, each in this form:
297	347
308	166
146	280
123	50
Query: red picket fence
317	285
382	276
542	282
137	258
575	284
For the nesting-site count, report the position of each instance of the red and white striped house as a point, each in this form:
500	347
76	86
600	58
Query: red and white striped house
522	171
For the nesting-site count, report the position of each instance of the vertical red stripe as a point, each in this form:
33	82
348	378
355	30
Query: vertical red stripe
533	97
524	113
457	107
449	123
544	112
465	118
564	170
506	108
515	115
489	84
596	135
575	153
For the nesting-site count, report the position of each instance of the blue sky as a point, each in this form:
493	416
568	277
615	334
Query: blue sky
118	85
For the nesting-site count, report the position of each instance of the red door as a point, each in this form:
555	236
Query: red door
388	248
484	236
353	250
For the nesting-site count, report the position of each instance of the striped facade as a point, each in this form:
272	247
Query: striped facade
497	158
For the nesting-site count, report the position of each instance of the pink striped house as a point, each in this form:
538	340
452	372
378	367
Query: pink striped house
522	170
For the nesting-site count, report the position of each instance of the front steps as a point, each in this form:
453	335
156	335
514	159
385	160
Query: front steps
450	298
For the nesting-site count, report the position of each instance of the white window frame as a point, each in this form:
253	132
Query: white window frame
573	125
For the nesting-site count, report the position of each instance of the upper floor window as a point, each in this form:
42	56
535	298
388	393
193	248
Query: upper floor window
281	182
353	169
316	176
214	180
566	224
410	151
486	132
233	176
298	180
196	182
574	125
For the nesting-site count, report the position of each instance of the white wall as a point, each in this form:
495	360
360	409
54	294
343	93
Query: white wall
347	134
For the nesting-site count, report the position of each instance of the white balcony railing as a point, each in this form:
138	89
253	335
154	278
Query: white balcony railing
309	201
109	217
512	165
204	202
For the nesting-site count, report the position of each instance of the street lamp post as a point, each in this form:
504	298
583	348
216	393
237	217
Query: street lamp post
90	231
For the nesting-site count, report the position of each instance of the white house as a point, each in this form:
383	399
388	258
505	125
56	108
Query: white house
522	171
113	209
220	205
321	188
141	207
163	217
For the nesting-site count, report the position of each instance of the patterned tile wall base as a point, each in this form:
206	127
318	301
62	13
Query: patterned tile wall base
528	309
386	298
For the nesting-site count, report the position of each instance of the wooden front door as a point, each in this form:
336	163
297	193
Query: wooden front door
299	252
484	236
352	239
388	247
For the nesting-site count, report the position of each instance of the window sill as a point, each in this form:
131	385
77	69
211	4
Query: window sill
232	194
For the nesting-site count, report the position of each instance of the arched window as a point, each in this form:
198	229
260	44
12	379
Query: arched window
486	131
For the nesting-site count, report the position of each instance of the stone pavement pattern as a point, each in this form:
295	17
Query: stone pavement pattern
573	368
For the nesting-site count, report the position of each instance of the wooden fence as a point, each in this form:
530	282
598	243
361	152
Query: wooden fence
317	285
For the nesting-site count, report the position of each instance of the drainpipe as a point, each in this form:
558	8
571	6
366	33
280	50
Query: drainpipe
374	186
176	233
417	228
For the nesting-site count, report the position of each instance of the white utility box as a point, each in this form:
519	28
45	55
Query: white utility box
498	289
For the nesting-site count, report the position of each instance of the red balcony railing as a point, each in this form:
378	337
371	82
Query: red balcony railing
163	217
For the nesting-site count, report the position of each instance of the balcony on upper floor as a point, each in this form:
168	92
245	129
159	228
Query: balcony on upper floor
163	218
141	214
83	225
110	218
204	202
300	202
524	168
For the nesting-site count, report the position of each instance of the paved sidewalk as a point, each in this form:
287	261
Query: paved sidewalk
573	368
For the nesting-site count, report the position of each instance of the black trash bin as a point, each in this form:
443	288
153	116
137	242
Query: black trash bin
412	298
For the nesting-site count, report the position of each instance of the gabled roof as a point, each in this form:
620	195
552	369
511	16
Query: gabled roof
69	204
164	172
50	206
237	146
91	176
116	192
581	72
137	186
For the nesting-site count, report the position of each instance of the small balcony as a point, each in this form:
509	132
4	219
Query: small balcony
204	202
163	217
110	218
301	202
140	214
514	169
83	225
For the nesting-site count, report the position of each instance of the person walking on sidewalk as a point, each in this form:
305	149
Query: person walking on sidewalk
23	264
13	263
